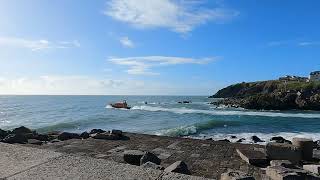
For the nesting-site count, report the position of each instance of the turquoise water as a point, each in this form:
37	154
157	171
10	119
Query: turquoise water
162	115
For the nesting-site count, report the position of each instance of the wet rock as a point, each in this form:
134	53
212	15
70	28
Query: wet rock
3	133
15	138
35	141
279	139
233	137
281	151
116	132
256	139
94	131
209	139
66	135
132	156
224	140
106	136
306	146
22	130
178	167
85	135
152	165
150	157
42	137
240	140
235	175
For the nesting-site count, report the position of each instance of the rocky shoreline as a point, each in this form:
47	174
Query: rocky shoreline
182	155
271	95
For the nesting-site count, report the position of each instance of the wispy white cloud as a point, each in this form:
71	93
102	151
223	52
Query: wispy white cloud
126	42
143	65
36	45
293	43
180	16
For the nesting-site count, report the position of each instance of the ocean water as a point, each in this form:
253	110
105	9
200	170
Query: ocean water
162	115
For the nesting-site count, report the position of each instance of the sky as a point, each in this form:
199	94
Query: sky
153	47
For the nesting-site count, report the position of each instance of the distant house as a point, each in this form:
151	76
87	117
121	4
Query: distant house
293	78
314	76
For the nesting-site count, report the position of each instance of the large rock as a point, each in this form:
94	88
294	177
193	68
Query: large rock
42	137
132	156
85	135
178	167
15	138
116	132
256	139
152	165
21	130
306	146
106	136
66	135
3	133
280	151
253	157
279	139
94	131
150	157
235	175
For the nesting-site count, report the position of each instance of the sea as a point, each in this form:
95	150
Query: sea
159	115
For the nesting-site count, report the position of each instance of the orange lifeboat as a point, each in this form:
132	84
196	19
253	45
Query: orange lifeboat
120	105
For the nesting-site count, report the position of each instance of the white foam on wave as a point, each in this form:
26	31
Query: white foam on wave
228	112
263	136
110	107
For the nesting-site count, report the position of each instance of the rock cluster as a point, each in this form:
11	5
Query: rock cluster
286	160
23	135
150	160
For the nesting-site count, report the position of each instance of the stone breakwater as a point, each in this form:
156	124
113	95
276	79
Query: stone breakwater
280	159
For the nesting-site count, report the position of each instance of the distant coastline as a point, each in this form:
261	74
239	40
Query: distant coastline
286	93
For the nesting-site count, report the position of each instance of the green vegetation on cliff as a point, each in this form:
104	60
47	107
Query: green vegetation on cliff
273	94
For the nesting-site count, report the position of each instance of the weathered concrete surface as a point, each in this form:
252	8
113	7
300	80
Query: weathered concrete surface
281	151
14	158
19	162
253	157
205	158
76	167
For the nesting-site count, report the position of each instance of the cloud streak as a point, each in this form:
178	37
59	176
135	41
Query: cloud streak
126	42
36	45
179	16
143	65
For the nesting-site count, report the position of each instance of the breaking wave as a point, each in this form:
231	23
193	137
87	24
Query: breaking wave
227	112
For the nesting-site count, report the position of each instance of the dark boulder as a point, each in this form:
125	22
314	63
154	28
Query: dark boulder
85	135
35	142
106	136
150	157
66	135
178	167
15	138
116	132
132	157
22	130
256	139
233	137
42	137
3	133
279	139
94	131
224	140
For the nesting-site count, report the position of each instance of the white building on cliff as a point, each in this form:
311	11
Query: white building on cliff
314	76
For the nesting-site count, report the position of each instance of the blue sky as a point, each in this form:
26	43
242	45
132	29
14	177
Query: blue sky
153	47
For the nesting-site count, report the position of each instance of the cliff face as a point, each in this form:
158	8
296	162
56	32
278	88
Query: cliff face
272	95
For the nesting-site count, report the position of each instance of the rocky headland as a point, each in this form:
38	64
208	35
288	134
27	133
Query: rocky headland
271	95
